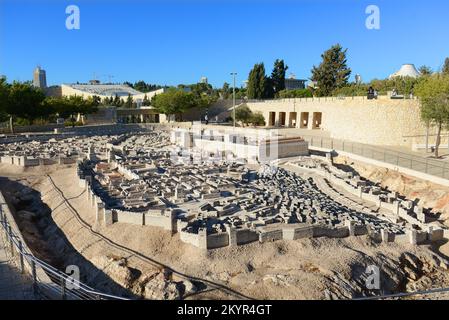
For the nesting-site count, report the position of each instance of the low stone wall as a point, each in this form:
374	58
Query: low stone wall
190	238
244	236
36	128
301	232
129	217
217	240
165	220
23	161
272	235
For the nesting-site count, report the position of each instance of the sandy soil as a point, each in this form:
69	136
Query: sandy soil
132	256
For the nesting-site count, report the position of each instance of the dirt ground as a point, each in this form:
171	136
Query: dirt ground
132	260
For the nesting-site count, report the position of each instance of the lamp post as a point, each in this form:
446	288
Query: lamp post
233	74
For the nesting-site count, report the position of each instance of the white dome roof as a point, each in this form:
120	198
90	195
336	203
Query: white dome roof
407	70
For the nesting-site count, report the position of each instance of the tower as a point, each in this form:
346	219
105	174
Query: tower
39	78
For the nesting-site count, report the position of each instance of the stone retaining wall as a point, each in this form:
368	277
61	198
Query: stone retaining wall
380	122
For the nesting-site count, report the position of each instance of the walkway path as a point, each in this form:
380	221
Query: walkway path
13	285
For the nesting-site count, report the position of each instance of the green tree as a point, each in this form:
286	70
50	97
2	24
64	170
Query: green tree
240	93
425	70
225	91
333	72
146	101
445	69
105	101
142	86
278	76
118	102
4	92
24	101
199	89
243	114
256	88
433	93
298	93
257	119
174	102
129	102
352	90
95	100
269	92
69	107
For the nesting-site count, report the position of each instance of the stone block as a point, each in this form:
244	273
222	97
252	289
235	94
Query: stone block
108	218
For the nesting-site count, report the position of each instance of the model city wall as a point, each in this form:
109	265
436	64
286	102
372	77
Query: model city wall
167	220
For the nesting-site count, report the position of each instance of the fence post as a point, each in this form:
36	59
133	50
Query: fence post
63	294
22	265
11	243
33	273
3	217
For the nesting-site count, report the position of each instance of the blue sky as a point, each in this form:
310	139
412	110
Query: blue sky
172	42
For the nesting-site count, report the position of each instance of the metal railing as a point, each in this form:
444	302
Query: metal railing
61	285
418	163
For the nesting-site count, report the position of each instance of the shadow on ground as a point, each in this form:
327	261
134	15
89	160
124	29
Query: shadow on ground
48	242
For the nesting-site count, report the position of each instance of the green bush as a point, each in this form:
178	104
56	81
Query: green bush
243	114
352	90
71	124
298	93
257	119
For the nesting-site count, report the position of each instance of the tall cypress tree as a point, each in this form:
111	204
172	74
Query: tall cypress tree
257	82
278	76
129	102
117	101
333	72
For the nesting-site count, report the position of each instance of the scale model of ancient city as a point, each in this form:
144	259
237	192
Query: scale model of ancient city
313	200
